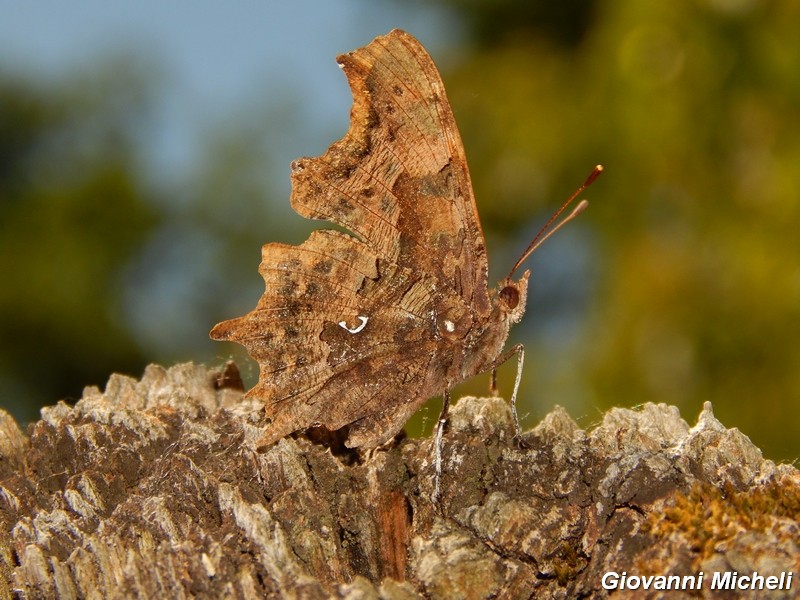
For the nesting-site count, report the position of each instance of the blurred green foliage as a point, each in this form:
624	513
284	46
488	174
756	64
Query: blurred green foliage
106	265
680	284
73	214
693	108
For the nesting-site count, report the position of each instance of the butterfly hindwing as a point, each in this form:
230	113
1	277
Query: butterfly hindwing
327	320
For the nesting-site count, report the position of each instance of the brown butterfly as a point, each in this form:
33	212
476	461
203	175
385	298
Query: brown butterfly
359	330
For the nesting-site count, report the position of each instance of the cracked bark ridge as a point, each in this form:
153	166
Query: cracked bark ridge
154	488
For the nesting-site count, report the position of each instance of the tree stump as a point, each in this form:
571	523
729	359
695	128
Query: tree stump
155	489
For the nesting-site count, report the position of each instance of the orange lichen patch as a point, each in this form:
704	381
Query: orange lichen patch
708	518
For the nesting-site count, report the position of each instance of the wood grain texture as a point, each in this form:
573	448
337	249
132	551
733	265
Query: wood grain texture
155	489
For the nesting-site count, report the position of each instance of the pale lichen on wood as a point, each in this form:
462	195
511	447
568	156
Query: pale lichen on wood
155	488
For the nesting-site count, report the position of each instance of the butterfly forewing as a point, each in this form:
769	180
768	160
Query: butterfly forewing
399	179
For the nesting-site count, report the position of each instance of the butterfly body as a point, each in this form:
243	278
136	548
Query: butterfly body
359	329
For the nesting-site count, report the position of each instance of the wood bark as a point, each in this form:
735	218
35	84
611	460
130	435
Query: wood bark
155	489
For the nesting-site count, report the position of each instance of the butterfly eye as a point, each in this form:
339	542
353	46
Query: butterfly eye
510	296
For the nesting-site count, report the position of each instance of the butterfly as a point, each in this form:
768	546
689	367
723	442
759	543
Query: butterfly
358	329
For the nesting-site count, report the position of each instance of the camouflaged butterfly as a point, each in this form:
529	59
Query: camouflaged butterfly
359	330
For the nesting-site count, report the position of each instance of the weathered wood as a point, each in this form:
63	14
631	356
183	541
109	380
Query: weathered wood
154	488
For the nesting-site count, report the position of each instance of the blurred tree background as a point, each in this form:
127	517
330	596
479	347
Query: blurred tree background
680	284
74	213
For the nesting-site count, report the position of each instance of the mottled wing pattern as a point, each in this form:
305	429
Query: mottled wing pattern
345	332
399	178
313	349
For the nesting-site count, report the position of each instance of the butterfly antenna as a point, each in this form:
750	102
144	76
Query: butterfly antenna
549	229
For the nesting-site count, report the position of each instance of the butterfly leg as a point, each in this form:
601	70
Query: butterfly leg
493	383
437	450
519	350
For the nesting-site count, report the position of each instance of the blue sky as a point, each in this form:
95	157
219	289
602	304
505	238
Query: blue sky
214	56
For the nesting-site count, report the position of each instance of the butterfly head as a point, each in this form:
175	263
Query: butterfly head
512	296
